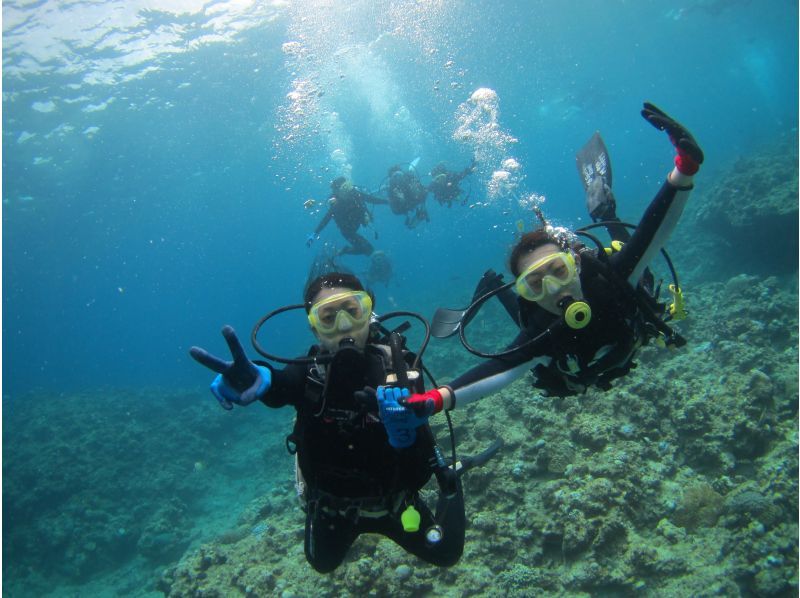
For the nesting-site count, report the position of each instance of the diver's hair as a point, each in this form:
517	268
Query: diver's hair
531	241
329	281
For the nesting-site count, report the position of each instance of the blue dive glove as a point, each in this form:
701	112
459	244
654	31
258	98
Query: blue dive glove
239	381
401	422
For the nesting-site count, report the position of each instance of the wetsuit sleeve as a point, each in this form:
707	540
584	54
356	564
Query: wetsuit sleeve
652	232
288	386
324	222
495	374
372	199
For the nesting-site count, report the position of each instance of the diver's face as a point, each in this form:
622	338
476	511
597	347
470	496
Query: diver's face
353	322
549	275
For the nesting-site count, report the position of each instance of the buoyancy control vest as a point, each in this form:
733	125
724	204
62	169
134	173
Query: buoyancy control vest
341	444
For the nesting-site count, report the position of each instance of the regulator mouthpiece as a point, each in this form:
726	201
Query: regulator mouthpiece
577	314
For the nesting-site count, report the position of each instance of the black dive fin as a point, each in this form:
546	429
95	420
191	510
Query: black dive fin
593	161
446	322
594	168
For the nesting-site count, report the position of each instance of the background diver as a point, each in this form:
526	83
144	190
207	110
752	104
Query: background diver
380	269
583	314
444	185
407	195
347	207
361	457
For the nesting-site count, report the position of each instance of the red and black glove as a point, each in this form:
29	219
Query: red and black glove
690	156
426	403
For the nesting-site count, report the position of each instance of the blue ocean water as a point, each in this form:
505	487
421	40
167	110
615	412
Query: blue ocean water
151	191
158	156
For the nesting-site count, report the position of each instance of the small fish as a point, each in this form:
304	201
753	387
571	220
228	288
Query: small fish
309	203
520	226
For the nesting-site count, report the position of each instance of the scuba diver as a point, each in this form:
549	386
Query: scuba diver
445	183
583	313
347	207
380	269
361	457
407	195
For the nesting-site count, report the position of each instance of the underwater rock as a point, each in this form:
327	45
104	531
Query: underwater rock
559	456
590	431
757	197
578	533
701	507
750	504
672	533
162	538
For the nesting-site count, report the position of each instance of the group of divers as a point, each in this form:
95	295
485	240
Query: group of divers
405	195
361	439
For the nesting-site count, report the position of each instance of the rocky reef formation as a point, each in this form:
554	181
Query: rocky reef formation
97	482
746	220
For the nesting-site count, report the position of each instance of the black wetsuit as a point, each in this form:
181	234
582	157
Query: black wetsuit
407	194
353	481
568	361
445	185
348	209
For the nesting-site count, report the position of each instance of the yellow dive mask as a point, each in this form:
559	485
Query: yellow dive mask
547	276
341	312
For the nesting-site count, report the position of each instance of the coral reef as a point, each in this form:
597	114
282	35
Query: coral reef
751	212
100	481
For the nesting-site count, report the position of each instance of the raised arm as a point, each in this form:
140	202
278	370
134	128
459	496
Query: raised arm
373	199
661	216
242	381
322	224
484	379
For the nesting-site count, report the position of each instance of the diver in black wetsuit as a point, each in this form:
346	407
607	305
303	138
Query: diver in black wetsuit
360	461
583	314
347	207
444	185
407	195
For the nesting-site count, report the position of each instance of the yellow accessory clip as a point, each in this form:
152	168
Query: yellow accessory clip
615	246
677	308
410	519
